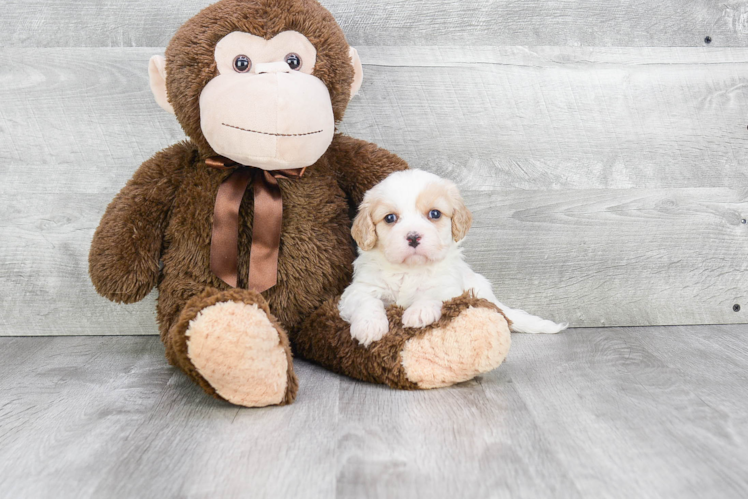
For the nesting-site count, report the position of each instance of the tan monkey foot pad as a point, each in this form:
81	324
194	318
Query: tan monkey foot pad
475	342
238	351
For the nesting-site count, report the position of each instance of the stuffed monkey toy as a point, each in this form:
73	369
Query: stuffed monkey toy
244	228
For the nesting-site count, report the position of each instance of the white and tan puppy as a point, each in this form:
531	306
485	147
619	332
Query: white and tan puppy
408	230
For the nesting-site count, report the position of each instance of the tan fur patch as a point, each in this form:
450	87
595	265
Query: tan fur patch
461	220
363	230
435	195
237	350
475	342
380	209
445	197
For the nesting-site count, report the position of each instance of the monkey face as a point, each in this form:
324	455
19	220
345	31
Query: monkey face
265	108
262	82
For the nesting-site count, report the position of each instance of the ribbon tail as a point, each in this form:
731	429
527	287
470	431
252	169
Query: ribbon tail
224	244
266	232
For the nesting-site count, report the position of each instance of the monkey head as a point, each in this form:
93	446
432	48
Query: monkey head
261	82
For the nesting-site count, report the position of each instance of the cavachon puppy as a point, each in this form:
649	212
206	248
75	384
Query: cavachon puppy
409	229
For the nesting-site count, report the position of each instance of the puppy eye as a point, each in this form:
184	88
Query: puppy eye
242	64
293	61
435	214
390	218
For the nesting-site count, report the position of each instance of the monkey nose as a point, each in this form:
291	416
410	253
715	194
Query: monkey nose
273	67
414	239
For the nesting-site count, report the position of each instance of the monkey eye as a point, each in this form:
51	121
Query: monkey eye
390	218
435	214
293	61
242	64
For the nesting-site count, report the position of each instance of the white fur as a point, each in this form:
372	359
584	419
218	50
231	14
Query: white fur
419	279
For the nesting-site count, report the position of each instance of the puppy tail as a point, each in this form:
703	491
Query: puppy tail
523	322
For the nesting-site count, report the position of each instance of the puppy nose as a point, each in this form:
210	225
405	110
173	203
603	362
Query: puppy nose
414	239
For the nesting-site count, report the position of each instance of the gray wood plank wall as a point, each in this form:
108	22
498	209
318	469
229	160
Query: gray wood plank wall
601	145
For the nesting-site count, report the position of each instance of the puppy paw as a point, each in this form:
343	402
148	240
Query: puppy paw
370	328
422	313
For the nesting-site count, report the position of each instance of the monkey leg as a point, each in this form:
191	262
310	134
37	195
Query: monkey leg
230	344
472	337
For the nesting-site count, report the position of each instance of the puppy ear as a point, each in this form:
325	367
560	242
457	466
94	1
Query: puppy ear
462	219
363	230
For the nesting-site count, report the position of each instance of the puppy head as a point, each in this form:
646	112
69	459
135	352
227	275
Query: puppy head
412	217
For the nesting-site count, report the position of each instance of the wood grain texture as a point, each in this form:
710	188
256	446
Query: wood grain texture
44	260
547	118
590	257
553	118
615	257
444	444
80	123
629	412
590	170
50	23
613	411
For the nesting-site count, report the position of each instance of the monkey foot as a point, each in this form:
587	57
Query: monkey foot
475	342
470	338
236	351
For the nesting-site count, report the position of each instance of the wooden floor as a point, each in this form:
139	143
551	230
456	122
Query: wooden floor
615	412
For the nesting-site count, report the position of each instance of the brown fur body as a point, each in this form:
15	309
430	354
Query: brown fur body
167	209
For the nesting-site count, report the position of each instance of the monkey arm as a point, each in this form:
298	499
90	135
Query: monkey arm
124	258
360	165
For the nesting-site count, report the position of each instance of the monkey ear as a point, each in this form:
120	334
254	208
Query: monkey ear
358	71
363	230
157	76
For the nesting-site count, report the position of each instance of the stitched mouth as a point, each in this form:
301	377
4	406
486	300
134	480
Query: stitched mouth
270	133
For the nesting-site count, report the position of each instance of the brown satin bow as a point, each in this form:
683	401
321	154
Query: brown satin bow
266	228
